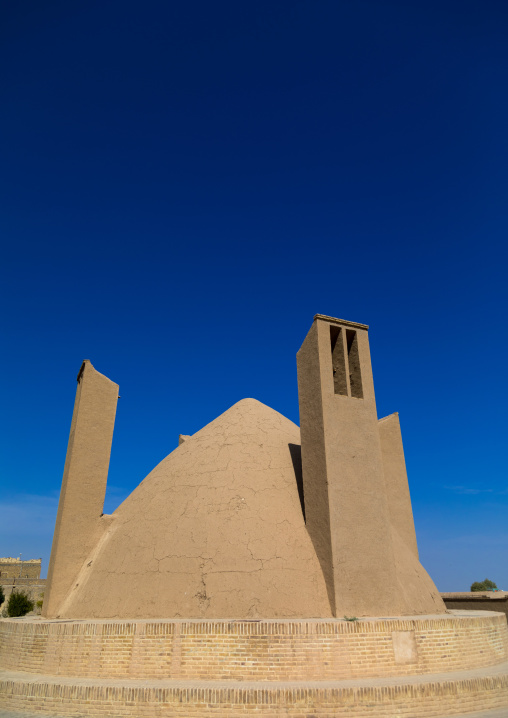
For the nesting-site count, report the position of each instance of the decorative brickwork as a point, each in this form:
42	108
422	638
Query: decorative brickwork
281	650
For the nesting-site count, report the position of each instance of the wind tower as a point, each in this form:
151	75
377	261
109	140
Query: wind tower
357	503
80	522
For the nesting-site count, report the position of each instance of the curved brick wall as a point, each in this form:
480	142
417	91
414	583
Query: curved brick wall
273	650
425	700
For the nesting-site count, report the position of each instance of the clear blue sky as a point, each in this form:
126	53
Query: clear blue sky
185	184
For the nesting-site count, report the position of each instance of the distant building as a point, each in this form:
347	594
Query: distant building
16	568
19	575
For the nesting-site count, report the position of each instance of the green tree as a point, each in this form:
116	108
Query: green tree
485	585
19	604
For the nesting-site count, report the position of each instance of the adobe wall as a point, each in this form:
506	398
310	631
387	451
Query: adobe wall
80	521
477	601
33	587
15	568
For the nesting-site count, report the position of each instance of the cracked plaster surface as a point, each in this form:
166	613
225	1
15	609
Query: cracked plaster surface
216	530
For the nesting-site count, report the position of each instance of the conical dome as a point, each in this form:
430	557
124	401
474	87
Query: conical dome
216	530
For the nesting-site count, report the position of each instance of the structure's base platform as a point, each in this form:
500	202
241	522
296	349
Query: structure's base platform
257	650
410	697
410	667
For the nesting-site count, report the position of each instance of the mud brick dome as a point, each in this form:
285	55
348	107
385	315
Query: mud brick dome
247	518
215	530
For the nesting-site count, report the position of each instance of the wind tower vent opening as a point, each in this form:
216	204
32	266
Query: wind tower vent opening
338	361
355	376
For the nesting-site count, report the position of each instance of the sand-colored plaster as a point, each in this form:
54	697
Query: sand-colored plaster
216	530
397	488
368	567
79	522
314	469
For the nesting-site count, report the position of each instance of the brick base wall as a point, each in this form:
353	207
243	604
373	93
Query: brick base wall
424	700
254	650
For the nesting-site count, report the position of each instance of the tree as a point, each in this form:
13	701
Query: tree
485	585
19	604
2	595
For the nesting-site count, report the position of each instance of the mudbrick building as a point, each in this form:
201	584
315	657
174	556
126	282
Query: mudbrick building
16	568
22	576
259	568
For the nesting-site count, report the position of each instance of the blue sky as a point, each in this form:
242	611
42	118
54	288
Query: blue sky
184	185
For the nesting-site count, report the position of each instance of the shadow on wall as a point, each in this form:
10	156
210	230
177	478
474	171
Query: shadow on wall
296	457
